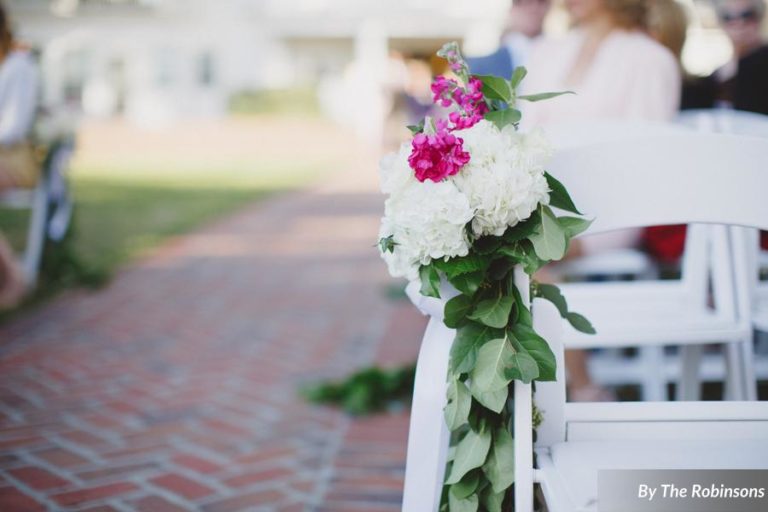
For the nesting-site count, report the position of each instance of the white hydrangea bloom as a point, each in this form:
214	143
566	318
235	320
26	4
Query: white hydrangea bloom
504	180
426	221
394	172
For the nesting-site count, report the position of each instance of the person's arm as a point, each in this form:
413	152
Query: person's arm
20	105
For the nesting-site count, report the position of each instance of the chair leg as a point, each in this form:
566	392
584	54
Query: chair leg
734	382
689	386
654	380
36	234
428	436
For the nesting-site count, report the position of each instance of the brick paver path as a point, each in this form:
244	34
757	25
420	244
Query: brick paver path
176	388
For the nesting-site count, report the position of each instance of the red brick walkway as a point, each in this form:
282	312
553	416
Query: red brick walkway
176	388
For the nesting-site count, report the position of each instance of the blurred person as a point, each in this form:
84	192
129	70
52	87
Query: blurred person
743	81
18	168
617	72
525	23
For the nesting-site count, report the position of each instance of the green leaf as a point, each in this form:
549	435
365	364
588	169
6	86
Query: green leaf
502	118
523	229
580	323
430	281
468	284
486	244
468	504
558	195
524	254
492	502
467	486
456	310
471	452
523	313
543	95
523	367
493	312
459	403
517	76
500	268
495	88
573	226
500	465
494	400
461	265
491	371
387	244
468	340
416	128
526	339
552	293
549	243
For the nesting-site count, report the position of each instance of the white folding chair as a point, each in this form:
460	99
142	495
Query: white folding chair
49	192
613	306
696	178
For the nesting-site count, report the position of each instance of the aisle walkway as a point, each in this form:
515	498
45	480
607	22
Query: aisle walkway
175	388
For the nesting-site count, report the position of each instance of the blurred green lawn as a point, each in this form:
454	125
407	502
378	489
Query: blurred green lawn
134	190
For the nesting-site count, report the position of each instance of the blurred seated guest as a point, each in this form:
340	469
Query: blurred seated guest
743	81
525	24
618	72
741	19
18	168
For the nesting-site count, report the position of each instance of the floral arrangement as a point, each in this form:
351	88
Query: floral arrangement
469	200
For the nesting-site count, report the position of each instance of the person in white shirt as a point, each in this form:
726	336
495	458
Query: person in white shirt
19	85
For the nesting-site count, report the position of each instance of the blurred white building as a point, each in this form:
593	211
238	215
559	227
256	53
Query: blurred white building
155	60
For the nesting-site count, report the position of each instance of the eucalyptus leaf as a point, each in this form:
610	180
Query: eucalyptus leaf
523	367
550	242
430	281
574	226
468	340
493	312
517	76
494	400
492	502
523	229
468	504
456	310
523	313
495	88
459	403
471	453
467	486
559	196
525	338
552	293
522	252
502	118
580	323
543	95
468	284
500	465
494	360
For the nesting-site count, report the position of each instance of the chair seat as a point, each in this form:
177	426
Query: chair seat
574	464
626	314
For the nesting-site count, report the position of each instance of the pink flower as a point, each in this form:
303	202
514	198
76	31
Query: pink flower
442	90
470	100
437	156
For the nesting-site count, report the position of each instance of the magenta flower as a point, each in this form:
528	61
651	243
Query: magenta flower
470	101
437	156
443	90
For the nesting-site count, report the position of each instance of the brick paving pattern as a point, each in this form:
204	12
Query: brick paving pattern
175	389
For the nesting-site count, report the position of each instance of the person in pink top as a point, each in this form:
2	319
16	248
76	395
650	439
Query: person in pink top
618	72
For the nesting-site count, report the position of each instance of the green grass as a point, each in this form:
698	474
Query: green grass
121	212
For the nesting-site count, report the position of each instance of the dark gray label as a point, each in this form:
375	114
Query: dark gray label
682	490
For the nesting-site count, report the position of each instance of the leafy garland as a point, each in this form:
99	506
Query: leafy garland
495	342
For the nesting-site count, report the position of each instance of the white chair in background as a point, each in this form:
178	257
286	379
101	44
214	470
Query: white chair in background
577	440
49	206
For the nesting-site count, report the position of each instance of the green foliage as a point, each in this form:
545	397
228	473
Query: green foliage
559	196
430	281
543	95
367	391
552	293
